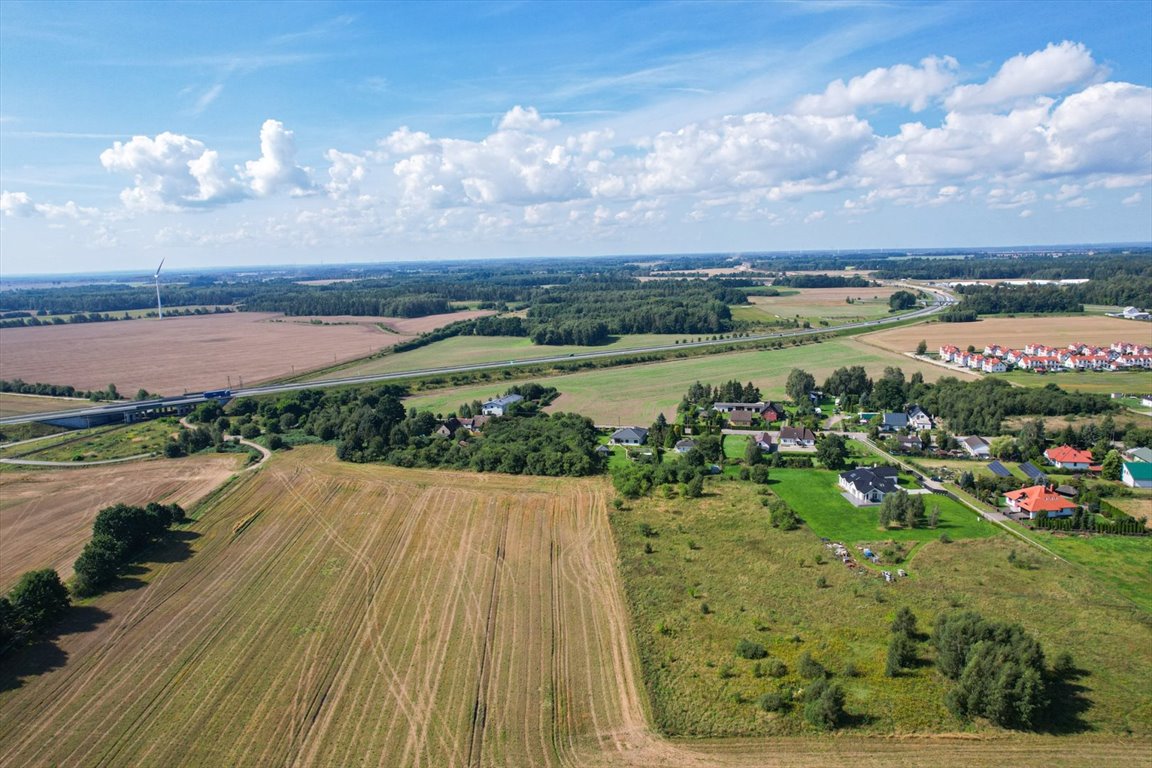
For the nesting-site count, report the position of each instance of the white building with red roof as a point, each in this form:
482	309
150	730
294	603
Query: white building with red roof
1039	500
1067	457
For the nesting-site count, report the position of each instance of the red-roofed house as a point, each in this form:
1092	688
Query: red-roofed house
1067	457
1039	500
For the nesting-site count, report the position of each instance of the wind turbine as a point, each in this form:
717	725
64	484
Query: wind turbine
156	278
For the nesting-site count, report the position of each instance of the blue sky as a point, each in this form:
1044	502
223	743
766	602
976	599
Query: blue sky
248	133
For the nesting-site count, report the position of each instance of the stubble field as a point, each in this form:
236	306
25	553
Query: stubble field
339	614
191	354
46	515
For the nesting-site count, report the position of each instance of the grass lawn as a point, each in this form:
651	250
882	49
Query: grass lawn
635	394
1122	562
815	496
720	551
735	445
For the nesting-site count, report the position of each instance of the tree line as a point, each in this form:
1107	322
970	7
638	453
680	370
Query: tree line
823	281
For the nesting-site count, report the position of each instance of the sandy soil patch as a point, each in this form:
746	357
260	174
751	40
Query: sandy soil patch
191	354
1012	332
46	516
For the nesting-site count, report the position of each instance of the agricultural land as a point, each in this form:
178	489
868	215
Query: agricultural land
12	404
46	515
191	354
325	613
635	394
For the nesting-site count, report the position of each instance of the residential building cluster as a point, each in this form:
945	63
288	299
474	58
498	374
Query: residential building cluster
1119	356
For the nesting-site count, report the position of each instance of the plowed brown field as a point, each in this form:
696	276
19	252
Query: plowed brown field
46	516
340	615
191	354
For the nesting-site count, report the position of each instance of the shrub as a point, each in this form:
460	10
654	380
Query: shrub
749	649
39	599
808	668
772	702
825	705
775	668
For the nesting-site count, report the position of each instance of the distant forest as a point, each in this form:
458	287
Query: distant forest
588	301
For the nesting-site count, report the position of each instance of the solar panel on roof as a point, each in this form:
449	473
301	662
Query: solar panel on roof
999	469
1031	471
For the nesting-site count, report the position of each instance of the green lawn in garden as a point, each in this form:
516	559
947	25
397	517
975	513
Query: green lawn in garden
817	499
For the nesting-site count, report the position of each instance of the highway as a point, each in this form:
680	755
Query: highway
943	300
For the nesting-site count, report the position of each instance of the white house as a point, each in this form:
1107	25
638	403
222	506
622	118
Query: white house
1137	474
918	418
685	445
869	485
1067	457
500	405
629	436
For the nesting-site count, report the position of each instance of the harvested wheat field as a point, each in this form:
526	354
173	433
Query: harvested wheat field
191	354
335	614
46	516
1012	332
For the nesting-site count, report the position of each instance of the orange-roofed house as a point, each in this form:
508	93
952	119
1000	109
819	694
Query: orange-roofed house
1038	501
1067	457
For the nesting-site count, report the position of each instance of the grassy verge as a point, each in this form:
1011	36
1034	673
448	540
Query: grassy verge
99	443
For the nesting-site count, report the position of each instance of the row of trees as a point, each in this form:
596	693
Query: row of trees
823	281
21	387
119	533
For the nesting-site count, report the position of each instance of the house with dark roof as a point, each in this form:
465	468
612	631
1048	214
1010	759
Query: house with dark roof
771	412
869	485
500	405
740	418
449	427
797	436
894	422
629	436
909	443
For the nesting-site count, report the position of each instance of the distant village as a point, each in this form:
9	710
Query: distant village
1039	358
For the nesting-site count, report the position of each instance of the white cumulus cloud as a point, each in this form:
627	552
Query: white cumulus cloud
170	171
277	169
1047	72
907	86
16	204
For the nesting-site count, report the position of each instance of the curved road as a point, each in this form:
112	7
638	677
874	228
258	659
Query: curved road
943	300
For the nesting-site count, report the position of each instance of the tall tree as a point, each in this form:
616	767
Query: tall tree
799	384
39	599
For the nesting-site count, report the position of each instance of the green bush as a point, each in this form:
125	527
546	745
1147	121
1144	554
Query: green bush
748	649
